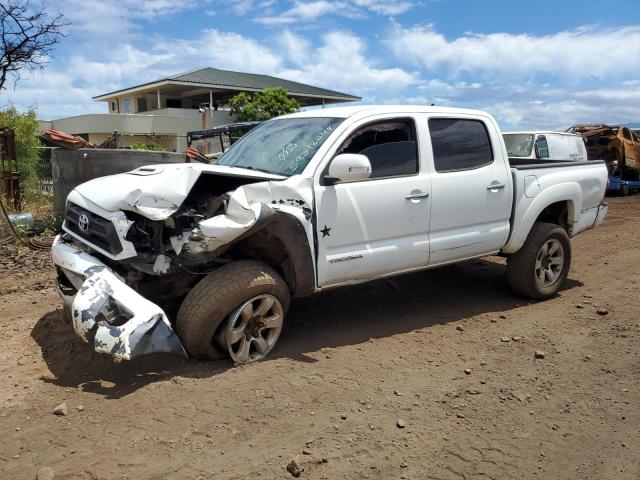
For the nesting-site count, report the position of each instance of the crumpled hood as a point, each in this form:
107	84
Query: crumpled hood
155	191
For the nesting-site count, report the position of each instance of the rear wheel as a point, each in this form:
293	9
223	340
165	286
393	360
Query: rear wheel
541	265
624	190
237	309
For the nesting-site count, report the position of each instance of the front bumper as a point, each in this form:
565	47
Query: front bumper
108	313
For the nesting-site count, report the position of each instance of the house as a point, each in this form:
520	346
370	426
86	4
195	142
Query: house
163	111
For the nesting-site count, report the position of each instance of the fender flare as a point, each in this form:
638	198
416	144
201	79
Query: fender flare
284	241
526	213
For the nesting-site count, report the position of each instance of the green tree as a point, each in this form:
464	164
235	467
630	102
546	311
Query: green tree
27	132
263	105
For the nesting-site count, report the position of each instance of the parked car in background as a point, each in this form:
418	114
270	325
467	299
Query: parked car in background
617	145
551	146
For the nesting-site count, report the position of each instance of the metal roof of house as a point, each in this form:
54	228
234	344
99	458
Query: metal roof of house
221	79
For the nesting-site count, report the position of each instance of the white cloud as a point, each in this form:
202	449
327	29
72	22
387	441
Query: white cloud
580	76
308	11
295	47
301	12
340	62
117	19
218	49
241	7
583	75
337	61
385	7
559	113
575	55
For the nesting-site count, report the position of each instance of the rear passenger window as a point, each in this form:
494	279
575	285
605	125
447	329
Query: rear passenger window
459	144
390	146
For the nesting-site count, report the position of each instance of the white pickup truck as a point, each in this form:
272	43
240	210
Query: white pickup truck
545	146
203	260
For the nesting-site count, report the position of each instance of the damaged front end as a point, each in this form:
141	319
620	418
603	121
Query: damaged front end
136	243
106	312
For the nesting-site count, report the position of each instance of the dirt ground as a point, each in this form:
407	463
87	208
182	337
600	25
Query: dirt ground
352	365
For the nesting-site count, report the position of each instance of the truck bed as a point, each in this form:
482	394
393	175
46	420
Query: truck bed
581	184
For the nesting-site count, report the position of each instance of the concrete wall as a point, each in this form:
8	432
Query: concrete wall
73	167
171	122
124	141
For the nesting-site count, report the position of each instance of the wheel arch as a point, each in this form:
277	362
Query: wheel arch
284	245
558	204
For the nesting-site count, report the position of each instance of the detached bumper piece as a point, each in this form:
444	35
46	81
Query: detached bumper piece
106	312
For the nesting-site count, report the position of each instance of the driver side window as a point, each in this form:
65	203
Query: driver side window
390	146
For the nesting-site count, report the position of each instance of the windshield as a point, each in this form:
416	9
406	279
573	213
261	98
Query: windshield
519	144
282	146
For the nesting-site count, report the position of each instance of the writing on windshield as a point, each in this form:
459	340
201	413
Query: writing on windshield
282	146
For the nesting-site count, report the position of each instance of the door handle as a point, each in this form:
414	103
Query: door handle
415	196
496	186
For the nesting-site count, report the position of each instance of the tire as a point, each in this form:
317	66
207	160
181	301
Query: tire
523	269
204	310
624	190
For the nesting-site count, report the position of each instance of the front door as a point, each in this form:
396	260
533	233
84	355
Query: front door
376	226
471	190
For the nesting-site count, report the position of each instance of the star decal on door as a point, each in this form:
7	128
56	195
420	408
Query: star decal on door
325	231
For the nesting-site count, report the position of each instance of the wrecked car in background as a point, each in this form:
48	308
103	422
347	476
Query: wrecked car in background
204	259
617	145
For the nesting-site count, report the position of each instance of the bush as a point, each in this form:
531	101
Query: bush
27	135
261	106
148	146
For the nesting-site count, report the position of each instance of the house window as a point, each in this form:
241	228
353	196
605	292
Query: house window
142	104
459	144
127	105
114	106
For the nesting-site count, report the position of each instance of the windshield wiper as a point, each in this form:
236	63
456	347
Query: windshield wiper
257	169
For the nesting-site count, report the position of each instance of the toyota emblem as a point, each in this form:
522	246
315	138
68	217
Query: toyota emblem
83	222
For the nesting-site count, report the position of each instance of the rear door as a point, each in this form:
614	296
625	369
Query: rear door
471	189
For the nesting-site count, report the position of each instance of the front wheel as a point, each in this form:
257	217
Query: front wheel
237	309
541	265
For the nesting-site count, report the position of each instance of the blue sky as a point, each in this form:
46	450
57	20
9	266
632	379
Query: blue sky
543	64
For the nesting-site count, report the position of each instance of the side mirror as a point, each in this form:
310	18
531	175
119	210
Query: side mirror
348	167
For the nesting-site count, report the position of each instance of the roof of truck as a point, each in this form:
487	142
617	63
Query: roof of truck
346	112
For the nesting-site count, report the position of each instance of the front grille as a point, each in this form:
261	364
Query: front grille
99	232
